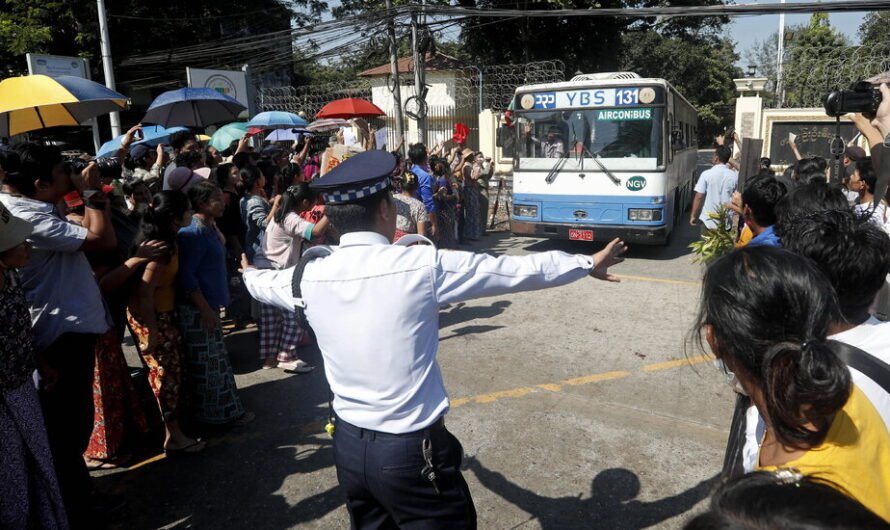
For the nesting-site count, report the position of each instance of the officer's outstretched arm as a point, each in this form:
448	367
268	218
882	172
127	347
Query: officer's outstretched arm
270	286
463	276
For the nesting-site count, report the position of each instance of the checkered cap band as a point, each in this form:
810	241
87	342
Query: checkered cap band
339	197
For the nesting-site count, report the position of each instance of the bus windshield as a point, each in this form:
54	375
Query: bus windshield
631	137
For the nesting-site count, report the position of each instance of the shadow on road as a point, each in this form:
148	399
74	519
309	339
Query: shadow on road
500	243
611	503
246	473
461	312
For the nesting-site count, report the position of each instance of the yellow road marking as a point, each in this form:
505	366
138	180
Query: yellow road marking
679	362
587	379
151	460
658	280
575	381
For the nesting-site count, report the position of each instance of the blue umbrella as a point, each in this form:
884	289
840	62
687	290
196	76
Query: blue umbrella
275	119
285	135
152	136
192	107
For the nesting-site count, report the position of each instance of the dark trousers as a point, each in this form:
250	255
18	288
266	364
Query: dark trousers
381	475
68	413
484	207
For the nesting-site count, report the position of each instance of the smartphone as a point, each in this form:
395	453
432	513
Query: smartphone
791	137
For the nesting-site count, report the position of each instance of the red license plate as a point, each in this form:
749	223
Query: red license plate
580	235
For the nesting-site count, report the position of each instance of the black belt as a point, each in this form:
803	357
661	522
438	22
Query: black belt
360	432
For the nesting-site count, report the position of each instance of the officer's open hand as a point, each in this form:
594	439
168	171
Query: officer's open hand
605	258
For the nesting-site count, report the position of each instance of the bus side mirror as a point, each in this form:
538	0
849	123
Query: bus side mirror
506	140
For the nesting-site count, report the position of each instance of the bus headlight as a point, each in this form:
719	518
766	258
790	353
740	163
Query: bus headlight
522	210
643	214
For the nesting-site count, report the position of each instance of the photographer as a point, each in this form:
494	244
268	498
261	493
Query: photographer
66	319
147	163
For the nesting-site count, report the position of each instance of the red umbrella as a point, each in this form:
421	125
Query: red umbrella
349	108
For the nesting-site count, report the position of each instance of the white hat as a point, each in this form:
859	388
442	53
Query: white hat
13	231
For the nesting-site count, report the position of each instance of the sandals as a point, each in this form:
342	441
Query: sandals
195	447
95	464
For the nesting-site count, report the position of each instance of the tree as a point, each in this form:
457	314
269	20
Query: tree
701	69
811	60
875	29
139	29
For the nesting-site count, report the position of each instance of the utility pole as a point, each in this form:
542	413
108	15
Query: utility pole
780	66
107	65
397	85
419	84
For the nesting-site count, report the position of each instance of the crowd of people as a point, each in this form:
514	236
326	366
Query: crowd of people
796	317
156	246
150	243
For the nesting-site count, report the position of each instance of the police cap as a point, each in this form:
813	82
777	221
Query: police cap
357	177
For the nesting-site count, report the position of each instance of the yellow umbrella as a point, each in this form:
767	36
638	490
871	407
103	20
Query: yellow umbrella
203	138
36	102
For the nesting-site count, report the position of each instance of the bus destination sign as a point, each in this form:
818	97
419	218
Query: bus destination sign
602	97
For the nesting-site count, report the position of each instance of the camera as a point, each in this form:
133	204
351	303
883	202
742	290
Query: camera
862	98
109	168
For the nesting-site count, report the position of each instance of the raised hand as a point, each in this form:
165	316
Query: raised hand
605	258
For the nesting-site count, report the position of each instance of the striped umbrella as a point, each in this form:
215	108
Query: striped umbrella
274	119
330	124
192	107
35	102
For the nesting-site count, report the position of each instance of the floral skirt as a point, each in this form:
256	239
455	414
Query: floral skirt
209	376
164	363
115	401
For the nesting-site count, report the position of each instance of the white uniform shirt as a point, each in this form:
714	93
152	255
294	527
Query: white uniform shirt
872	337
374	308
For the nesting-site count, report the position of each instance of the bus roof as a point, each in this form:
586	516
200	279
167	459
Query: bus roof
591	83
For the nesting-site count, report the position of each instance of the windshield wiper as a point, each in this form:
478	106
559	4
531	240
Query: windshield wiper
615	180
551	176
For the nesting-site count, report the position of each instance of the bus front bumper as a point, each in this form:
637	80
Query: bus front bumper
651	235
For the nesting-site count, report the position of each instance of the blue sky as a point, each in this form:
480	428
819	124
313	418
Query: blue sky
747	31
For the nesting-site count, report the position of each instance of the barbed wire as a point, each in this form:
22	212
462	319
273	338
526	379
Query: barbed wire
498	83
809	73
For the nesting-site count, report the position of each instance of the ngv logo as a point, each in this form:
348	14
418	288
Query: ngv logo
635	183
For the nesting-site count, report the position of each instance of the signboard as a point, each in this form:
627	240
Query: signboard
813	139
590	98
232	83
55	65
750	162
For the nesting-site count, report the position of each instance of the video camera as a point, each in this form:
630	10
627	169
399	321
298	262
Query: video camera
862	98
109	168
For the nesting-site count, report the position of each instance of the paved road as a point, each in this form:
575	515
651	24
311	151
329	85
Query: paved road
577	407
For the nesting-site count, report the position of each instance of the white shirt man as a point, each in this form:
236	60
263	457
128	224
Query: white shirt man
714	188
374	308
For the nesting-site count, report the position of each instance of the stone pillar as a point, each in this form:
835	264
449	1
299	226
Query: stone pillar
749	107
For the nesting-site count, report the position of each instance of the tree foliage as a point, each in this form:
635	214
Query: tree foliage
875	28
701	69
808	53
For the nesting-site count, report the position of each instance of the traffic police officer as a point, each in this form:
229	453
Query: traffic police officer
374	307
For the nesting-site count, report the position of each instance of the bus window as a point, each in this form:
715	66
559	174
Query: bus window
606	133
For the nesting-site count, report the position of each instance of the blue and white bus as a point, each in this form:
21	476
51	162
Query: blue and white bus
600	156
